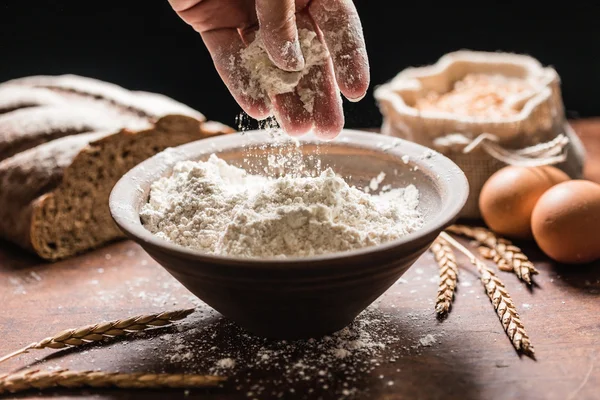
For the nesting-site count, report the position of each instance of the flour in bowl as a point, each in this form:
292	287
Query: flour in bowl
220	209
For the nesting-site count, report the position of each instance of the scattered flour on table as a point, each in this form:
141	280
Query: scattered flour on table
340	365
225	363
218	208
265	77
428	340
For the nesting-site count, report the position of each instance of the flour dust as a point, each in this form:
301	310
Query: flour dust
339	364
266	79
218	208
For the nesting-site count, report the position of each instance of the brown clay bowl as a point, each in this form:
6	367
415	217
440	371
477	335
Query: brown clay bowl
299	297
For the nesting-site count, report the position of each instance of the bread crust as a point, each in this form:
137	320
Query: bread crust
54	188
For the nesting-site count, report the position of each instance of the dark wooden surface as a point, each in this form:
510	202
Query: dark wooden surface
469	358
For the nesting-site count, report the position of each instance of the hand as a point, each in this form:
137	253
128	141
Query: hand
228	26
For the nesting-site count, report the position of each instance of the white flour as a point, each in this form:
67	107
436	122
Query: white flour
265	77
221	209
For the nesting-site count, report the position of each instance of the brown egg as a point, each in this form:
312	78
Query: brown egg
508	197
566	222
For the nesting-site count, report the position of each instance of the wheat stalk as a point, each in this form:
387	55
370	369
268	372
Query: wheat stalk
103	330
503	304
446	260
35	379
503	252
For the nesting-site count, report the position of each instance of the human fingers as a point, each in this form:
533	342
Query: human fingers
327	113
291	113
319	93
342	31
313	101
277	21
225	47
182	5
287	107
208	15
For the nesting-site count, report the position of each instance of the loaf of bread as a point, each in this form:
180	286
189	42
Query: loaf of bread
64	143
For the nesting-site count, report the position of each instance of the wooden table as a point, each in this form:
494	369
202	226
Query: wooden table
466	356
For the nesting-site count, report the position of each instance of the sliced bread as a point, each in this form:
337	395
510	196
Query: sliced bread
58	170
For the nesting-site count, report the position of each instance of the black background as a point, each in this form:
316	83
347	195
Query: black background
144	45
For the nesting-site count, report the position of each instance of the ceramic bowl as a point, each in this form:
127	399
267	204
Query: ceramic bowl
299	297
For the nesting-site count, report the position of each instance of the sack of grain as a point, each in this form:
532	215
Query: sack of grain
64	143
484	111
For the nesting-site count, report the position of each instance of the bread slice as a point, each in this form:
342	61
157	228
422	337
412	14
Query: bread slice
36	109
64	143
23	129
98	94
54	197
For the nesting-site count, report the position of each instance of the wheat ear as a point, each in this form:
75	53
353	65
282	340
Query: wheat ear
103	330
35	379
503	304
446	260
503	252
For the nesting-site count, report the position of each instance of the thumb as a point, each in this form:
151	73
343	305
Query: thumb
277	21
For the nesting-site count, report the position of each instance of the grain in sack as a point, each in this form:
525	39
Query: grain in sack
483	110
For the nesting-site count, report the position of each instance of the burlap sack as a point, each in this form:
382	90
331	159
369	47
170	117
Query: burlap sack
536	135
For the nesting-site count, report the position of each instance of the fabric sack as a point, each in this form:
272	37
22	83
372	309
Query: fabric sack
533	133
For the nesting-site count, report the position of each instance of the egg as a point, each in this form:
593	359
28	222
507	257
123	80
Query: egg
507	198
566	222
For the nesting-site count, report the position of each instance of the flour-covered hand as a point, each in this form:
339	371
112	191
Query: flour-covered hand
229	26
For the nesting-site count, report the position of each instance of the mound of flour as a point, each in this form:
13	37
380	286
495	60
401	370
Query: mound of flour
221	209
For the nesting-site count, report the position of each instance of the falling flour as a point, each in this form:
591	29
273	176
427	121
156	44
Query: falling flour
265	77
218	208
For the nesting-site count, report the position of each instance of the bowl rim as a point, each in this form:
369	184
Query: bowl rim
127	192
